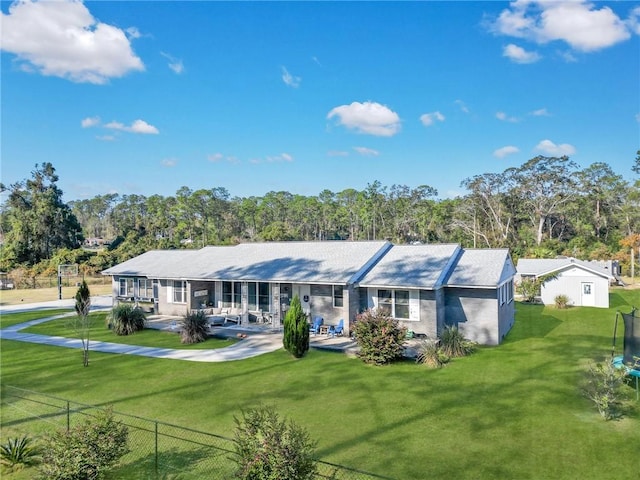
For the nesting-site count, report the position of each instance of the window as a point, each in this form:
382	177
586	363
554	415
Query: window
338	299
179	291
505	293
231	294
401	304
395	303
126	287
258	296
145	288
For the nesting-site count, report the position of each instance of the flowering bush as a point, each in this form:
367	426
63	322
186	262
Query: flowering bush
380	337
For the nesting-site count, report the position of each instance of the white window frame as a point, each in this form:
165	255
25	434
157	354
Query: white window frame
145	291
236	295
260	301
179	286
125	287
391	302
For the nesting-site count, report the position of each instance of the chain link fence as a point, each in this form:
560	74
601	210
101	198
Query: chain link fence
158	450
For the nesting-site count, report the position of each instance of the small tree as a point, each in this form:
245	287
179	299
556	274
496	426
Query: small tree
86	451
267	448
296	330
604	388
194	328
83	324
529	287
380	337
125	319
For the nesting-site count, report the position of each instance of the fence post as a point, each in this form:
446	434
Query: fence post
68	417
156	449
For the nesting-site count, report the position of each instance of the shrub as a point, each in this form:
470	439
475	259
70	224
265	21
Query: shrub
267	448
296	330
429	354
453	344
194	328
561	301
18	453
380	337
604	388
125	319
87	451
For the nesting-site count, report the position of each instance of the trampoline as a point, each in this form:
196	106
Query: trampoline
630	359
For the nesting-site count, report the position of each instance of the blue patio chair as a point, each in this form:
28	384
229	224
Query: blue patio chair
336	329
315	327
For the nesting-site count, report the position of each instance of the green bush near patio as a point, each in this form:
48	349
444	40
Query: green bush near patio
514	411
125	319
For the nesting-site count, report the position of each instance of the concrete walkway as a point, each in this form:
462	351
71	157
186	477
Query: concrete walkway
253	345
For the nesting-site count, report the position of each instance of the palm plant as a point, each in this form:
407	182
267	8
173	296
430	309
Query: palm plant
125	319
18	453
453	344
194	328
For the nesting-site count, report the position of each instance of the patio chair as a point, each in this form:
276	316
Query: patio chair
315	327
336	329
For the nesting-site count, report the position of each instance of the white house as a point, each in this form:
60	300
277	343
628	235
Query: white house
586	284
425	287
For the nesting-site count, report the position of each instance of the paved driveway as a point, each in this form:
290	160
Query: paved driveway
253	345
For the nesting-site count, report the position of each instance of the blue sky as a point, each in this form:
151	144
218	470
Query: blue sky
146	97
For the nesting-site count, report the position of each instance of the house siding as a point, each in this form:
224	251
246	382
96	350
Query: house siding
569	283
474	312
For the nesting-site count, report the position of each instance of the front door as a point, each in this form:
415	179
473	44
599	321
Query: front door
588	295
304	293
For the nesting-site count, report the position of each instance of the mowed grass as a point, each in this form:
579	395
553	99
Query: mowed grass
24	296
98	331
508	412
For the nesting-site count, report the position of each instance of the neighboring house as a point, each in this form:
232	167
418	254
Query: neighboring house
425	287
586	284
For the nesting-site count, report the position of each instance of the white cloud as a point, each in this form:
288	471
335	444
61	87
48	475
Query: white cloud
169	162
62	39
215	157
289	79
90	122
429	119
579	23
519	55
506	118
174	64
138	126
283	157
367	152
369	117
504	151
463	107
541	112
550	148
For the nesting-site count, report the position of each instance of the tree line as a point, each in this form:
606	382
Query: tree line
543	208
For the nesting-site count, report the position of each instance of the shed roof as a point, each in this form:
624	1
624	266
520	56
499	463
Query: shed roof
545	266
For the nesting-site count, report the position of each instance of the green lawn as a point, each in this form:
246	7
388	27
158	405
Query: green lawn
508	412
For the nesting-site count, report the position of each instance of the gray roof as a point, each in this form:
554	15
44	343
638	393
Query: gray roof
545	266
304	262
484	267
419	266
371	264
